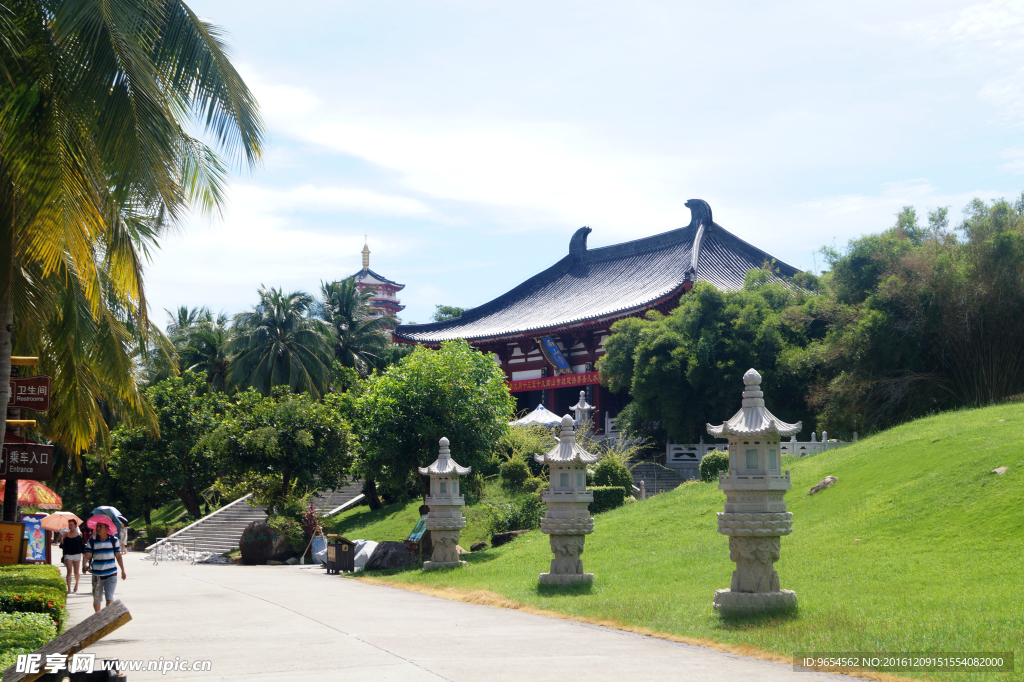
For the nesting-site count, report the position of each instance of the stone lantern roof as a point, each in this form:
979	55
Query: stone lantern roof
444	464
567	451
753	419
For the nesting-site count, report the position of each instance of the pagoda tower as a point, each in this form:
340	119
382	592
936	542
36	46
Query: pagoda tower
385	298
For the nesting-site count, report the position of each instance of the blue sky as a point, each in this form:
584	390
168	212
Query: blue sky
470	139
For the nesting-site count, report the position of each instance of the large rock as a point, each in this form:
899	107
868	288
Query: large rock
389	555
282	550
257	543
999	471
824	483
477	546
363	550
499	539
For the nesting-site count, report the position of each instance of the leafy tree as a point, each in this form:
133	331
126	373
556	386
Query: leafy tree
454	392
204	348
359	334
685	369
284	444
921	319
95	162
447	312
278	344
155	465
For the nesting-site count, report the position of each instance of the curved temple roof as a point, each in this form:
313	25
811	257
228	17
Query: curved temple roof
588	285
753	419
444	464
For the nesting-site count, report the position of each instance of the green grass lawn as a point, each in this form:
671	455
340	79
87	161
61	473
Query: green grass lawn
396	521
916	548
172	514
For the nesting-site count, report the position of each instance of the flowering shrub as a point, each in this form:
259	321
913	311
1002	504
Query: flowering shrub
33	589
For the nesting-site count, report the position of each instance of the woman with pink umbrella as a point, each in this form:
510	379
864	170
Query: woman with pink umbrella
72	542
103	550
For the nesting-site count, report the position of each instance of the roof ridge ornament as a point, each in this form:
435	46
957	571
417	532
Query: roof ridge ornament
700	217
578	245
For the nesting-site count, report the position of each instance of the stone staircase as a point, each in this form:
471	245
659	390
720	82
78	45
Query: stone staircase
656	478
220	531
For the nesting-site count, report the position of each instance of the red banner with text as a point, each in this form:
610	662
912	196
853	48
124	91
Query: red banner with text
563	381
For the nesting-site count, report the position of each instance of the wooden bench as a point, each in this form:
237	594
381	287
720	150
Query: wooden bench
89	631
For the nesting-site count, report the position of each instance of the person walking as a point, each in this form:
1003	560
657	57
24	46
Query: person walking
103	550
72	544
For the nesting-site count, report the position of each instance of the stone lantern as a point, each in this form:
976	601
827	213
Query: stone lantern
568	520
755	516
445	520
582	409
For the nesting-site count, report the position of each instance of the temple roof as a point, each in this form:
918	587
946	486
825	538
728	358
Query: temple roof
367	276
753	419
568	451
444	464
606	283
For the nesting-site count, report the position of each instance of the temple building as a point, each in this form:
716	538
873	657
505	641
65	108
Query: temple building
385	298
549	331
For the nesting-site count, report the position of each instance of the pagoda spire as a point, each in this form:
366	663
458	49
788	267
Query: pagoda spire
366	254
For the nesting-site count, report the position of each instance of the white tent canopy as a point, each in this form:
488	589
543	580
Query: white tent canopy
541	415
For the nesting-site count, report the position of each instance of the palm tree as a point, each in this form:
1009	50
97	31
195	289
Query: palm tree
206	349
359	336
95	165
279	344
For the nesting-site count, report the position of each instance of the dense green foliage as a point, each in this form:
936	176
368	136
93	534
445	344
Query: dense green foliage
711	464
611	472
521	513
33	589
284	444
607	497
23	633
900	555
358	335
446	312
154	466
685	369
454	392
514	474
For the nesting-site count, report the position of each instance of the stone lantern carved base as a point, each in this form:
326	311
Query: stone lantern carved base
446	553
728	602
567	566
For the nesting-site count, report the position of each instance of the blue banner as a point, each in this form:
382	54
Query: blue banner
554	355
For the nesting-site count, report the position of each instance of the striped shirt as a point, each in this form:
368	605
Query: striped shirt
103	563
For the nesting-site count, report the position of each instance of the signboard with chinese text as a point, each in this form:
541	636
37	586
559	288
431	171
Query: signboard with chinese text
37	545
584	379
11	537
554	355
26	461
30	393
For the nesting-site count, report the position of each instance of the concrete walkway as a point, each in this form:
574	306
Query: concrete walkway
297	623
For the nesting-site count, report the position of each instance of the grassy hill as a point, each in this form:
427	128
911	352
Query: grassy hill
916	548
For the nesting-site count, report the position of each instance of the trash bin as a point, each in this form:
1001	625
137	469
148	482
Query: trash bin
341	555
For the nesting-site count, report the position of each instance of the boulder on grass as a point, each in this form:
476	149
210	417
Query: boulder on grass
999	471
389	555
477	546
824	483
499	539
257	543
282	550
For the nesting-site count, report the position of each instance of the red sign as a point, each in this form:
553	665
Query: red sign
585	379
11	535
30	393
26	461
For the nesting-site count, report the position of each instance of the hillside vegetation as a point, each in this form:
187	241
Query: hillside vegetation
916	548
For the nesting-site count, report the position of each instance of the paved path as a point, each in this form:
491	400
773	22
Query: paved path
291	623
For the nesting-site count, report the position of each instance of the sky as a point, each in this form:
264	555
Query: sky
467	140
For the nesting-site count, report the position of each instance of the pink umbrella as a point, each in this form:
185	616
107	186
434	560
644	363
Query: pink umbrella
105	520
58	521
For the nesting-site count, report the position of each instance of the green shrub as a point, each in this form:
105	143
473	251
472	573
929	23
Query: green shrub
612	472
523	514
514	473
712	463
33	589
297	538
23	633
534	484
606	498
